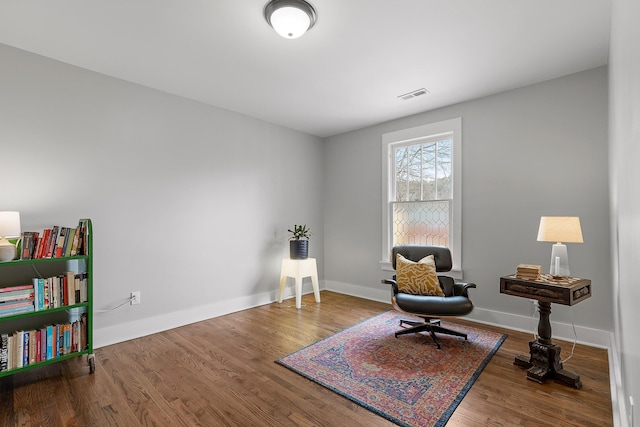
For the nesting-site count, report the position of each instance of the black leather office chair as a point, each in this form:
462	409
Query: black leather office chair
454	303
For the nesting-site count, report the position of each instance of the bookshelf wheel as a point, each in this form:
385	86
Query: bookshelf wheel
91	360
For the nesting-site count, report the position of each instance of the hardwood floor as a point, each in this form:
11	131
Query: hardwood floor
221	372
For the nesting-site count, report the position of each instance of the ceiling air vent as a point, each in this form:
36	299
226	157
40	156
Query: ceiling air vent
413	94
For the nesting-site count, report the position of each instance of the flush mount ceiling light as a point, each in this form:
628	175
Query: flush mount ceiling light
290	18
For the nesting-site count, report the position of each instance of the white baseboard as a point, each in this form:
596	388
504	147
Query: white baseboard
381	293
618	402
143	327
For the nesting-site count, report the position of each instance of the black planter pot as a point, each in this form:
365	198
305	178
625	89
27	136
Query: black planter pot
298	249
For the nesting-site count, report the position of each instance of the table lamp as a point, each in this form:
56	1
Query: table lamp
9	227
560	229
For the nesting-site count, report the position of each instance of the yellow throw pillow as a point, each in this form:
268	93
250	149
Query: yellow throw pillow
417	278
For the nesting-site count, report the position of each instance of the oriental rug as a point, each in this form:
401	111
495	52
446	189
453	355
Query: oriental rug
406	380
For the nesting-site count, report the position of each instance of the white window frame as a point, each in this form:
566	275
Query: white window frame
404	136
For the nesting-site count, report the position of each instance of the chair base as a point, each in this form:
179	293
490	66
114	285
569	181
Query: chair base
430	325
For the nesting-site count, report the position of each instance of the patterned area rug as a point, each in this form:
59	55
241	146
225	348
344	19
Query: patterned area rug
406	380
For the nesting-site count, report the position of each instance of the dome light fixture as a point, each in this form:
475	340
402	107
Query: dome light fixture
290	18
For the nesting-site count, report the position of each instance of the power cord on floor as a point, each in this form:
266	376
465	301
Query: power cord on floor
131	298
575	338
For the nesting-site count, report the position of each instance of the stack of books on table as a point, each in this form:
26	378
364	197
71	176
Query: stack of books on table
528	271
16	300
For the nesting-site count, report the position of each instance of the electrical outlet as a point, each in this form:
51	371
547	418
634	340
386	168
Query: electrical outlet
135	298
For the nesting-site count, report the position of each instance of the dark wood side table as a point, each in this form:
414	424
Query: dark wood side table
544	356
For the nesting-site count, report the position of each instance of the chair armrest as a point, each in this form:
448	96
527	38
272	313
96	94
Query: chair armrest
461	288
393	283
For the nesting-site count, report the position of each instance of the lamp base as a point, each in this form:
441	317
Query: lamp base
559	261
7	251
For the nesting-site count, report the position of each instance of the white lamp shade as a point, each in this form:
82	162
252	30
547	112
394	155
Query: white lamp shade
560	229
9	224
9	227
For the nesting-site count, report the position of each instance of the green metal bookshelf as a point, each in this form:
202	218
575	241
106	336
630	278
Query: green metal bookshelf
22	271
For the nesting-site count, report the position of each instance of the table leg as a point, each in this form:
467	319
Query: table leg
316	289
298	286
544	361
283	282
544	325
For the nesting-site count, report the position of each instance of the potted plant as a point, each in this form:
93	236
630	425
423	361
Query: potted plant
299	242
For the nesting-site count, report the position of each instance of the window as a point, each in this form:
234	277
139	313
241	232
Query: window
421	170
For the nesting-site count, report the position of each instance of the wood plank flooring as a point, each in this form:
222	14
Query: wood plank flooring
221	372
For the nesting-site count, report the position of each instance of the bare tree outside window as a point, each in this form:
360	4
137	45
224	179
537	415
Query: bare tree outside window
421	203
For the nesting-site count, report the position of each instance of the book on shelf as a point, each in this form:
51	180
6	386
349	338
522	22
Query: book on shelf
64	290
70	288
46	292
38	349
84	334
59	246
55	292
32	347
25	348
68	243
60	341
84	236
15	304
16	311
17	295
15	288
37	246
38	293
66	346
75	337
11	342
51	243
49	340
43	343
29	239
4	351
16	300
76	240
76	289
18	349
41	247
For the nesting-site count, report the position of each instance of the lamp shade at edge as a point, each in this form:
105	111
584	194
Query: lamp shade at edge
564	229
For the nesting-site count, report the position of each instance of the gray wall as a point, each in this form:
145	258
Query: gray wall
534	151
190	203
625	199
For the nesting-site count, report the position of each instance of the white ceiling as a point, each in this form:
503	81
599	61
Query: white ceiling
344	74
